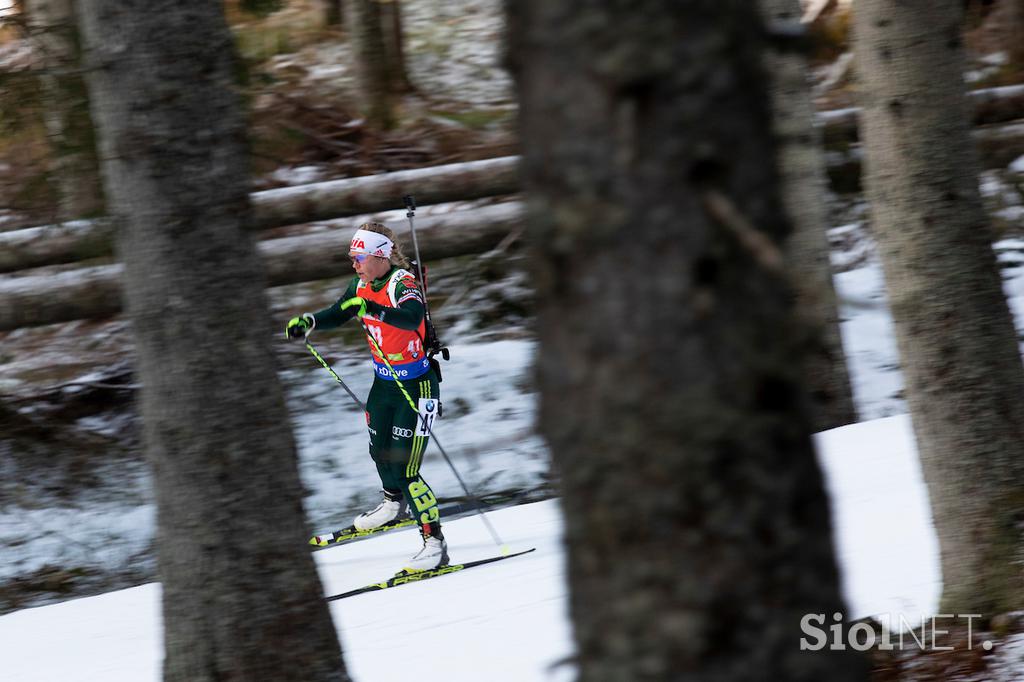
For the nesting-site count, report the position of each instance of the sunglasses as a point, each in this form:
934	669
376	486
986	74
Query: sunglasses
359	257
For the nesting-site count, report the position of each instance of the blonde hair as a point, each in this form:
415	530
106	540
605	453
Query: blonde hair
397	257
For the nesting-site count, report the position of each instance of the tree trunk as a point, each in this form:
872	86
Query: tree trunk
697	526
958	347
801	164
1013	32
66	108
335	13
93	293
394	43
241	599
371	62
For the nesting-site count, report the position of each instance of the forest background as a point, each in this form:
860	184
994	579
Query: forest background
68	388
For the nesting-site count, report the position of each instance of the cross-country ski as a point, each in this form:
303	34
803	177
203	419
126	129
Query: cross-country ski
352	533
406	578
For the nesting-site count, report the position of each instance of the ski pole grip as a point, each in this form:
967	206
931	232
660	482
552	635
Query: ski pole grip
410	203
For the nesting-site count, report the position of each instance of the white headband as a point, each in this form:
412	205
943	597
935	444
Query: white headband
372	243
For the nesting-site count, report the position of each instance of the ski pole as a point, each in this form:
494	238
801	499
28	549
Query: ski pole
479	506
433	343
334	374
410	211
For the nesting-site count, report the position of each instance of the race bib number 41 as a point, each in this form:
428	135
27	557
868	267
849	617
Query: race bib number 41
428	408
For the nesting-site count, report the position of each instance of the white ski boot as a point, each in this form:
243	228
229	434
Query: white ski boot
434	554
388	510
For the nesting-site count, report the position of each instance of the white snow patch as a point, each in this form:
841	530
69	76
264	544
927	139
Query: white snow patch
885	539
869	341
298	175
1009	660
103	537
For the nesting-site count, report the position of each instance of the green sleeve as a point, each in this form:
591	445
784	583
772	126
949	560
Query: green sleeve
407	316
333	316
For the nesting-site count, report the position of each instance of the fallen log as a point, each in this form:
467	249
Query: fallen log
989	106
997	145
29	300
82	239
49	245
33	247
79	240
997	105
353	196
34	299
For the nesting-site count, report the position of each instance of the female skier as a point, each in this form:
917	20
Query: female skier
387	299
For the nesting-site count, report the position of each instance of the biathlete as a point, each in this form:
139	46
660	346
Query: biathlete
389	302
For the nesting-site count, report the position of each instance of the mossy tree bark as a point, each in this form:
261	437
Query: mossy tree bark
697	525
241	597
957	342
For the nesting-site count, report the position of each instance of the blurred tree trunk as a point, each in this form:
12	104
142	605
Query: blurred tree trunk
697	525
373	72
66	108
261	8
1013	30
335	13
958	347
801	163
241	597
394	42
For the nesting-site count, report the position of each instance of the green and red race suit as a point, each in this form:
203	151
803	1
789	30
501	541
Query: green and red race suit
398	433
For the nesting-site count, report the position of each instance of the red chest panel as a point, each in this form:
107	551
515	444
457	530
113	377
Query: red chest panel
403	348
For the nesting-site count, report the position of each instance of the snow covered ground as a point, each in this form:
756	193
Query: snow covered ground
509	621
514	609
885	541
